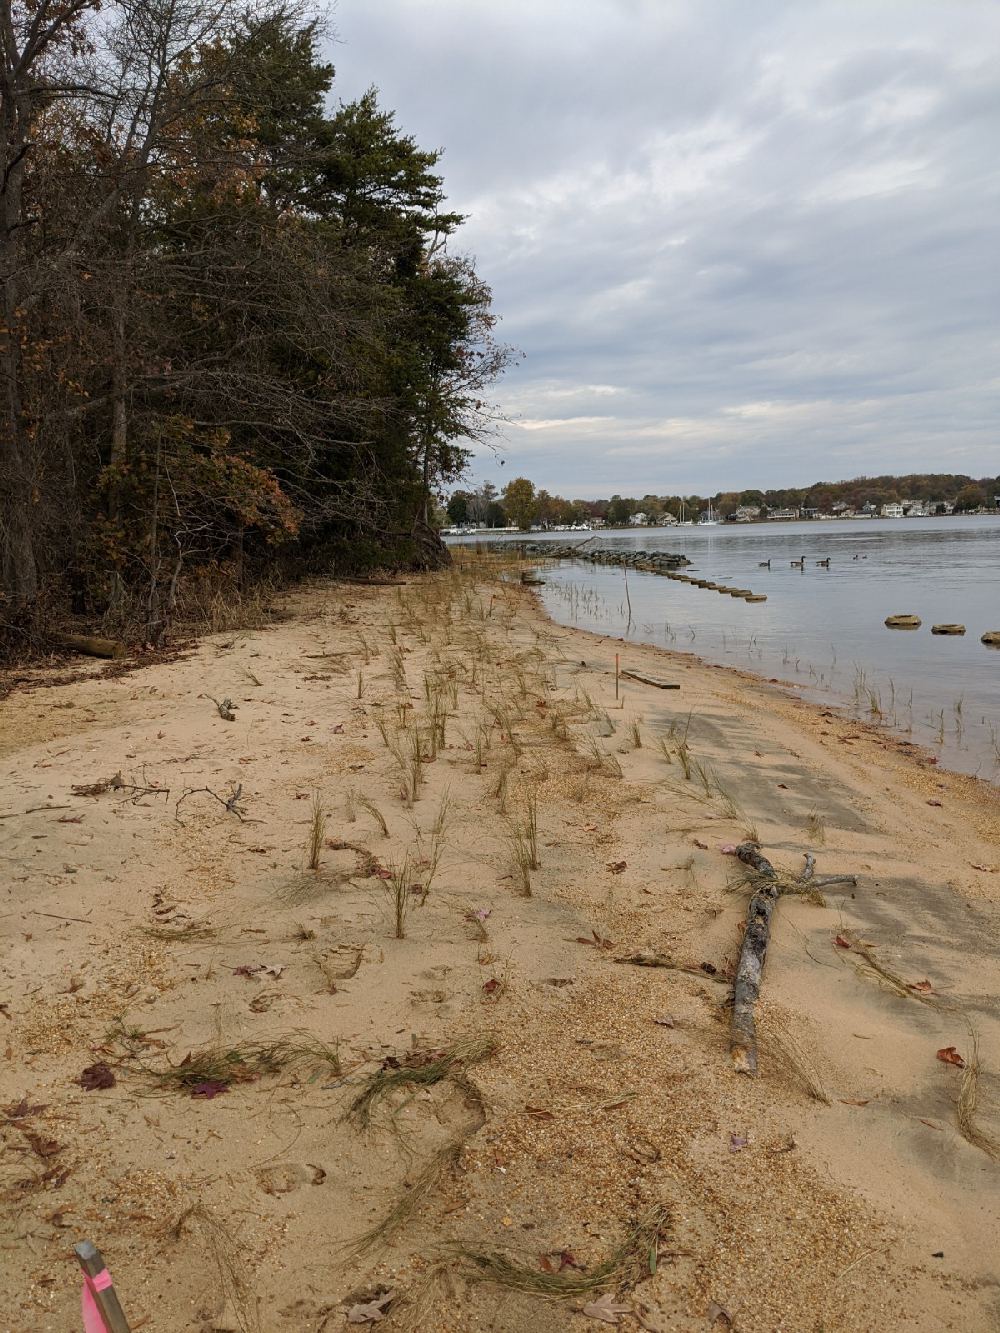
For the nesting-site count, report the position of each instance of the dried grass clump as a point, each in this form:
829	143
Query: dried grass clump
968	1099
317	832
410	1201
785	1052
246	1061
633	1260
421	1069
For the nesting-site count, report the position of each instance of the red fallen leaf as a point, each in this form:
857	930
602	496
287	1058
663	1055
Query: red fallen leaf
841	943
539	1113
924	987
556	1260
246	970
97	1076
210	1088
855	1101
935	802
491	987
22	1109
950	1056
338	728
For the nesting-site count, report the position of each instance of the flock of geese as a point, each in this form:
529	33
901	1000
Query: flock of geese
800	563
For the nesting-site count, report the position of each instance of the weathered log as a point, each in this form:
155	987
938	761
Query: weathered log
650	680
90	644
750	969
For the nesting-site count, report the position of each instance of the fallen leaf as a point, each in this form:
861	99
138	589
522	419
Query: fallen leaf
370	1312
665	1021
339	727
210	1088
698	843
717	1314
737	1142
97	1076
727	848
950	1056
589	828
924	987
990	870
935	803
855	1101
492	986
556	1260
616	867
606	1309
22	1109
841	943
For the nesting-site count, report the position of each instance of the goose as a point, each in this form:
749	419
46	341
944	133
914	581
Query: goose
764	564
824	564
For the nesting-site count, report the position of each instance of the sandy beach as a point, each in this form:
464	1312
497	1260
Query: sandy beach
275	1095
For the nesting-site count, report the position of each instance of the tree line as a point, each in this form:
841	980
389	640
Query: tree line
523	505
234	341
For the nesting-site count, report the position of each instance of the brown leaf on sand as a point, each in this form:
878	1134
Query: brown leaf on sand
841	943
990	870
698	843
924	987
664	1021
950	1056
370	1312
616	867
97	1076
606	1309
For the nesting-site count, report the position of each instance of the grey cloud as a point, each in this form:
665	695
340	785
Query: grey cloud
770	227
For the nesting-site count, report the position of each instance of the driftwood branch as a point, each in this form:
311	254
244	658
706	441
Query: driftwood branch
750	968
90	644
650	680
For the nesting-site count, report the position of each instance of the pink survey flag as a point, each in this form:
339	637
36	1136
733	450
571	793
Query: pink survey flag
93	1322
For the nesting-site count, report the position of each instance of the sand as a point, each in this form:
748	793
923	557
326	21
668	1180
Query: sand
838	1190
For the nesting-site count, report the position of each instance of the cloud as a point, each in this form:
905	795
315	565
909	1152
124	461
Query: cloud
738	244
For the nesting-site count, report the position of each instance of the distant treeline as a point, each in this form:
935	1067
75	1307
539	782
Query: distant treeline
233	342
520	503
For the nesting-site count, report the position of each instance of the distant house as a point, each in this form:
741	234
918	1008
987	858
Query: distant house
667	519
940	507
638	520
783	513
893	510
747	514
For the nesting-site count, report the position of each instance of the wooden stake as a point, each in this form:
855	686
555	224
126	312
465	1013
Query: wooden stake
106	1300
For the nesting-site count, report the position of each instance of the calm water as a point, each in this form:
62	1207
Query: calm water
823	628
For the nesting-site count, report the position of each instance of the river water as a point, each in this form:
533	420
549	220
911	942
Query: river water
822	629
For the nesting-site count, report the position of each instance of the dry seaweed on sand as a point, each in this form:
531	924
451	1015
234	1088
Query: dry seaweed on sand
409	1201
968	1099
420	1068
215	1068
634	1259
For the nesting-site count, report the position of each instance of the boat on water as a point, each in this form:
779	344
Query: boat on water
708	519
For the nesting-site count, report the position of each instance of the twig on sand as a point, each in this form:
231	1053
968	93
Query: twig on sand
230	802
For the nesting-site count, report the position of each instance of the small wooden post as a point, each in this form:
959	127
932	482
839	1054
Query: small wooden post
617	673
106	1300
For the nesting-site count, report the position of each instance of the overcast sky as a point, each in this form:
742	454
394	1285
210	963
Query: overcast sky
738	243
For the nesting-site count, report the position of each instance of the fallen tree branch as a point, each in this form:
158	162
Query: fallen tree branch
90	644
750	968
661	960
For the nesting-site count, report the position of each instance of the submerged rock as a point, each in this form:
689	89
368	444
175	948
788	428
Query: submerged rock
947	629
903	622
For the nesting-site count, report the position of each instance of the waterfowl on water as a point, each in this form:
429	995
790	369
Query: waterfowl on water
764	564
824	564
